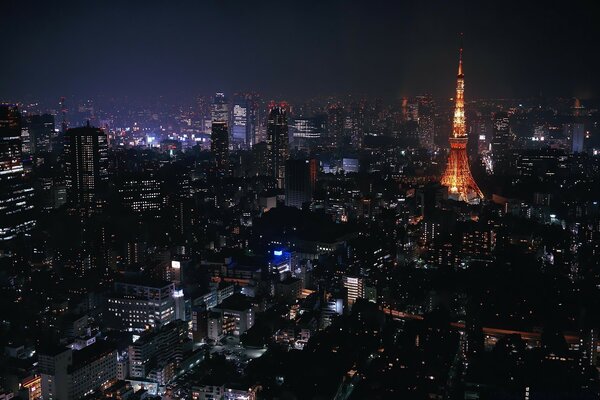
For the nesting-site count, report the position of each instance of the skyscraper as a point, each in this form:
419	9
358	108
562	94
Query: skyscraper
87	162
335	125
41	130
574	131
240	123
300	178
220	131
16	196
457	177
426	122
277	142
501	143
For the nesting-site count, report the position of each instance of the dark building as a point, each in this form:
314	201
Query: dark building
41	130
278	143
335	125
220	131
16	195
86	158
501	143
142	194
300	179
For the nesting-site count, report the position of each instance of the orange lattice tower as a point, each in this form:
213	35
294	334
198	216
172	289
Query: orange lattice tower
457	177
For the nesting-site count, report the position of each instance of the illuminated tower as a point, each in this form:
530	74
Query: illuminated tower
457	177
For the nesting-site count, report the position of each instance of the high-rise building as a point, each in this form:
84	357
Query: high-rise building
575	134
426	121
306	128
335	125
240	124
244	120
501	143
457	177
355	288
70	375
254	114
220	131
142	194
16	195
481	129
86	151
278	142
357	124
300	179
41	131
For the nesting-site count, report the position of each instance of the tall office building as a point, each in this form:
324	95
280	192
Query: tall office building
254	114
16	195
306	128
141	193
220	131
457	177
501	143
239	123
426	121
69	375
278	142
575	134
41	131
335	125
355	288
300	179
86	151
244	120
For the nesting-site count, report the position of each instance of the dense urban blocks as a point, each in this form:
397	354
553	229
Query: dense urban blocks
407	241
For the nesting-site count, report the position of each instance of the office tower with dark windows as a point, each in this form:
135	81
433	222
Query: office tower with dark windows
306	131
501	143
16	195
426	121
41	132
335	125
220	131
142	194
300	179
72	374
86	151
277	142
574	132
254	119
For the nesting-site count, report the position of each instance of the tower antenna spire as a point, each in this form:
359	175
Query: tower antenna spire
460	54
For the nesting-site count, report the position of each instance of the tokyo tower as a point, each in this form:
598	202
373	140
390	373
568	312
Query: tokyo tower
457	177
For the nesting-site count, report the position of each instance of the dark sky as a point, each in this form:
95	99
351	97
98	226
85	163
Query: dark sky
291	49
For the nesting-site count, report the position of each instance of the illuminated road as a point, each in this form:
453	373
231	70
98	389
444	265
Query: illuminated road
570	337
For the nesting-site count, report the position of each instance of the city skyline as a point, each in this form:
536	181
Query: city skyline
298	200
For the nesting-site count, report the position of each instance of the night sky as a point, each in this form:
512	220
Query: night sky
295	49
